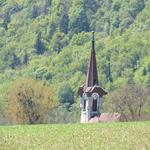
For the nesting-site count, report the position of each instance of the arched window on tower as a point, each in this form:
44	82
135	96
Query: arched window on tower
95	104
84	104
94	108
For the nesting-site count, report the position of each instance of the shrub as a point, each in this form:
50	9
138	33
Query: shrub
30	101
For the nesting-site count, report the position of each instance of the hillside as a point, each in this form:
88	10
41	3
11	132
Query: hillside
49	40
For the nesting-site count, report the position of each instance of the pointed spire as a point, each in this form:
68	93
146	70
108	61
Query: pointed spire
93	41
92	77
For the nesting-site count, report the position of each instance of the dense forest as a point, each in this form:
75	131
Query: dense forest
49	41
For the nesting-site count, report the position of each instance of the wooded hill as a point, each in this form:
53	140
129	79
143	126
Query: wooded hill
50	40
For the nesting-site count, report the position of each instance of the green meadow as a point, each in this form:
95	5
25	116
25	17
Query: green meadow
103	136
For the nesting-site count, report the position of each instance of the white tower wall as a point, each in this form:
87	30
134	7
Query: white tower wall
86	105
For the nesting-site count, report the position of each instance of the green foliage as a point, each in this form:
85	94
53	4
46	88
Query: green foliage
65	94
39	46
58	41
78	18
63	114
49	40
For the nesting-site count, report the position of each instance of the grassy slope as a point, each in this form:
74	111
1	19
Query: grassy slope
115	136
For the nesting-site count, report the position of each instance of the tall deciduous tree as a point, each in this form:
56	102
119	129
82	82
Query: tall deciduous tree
30	101
131	101
78	19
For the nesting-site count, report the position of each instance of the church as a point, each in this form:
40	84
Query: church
91	92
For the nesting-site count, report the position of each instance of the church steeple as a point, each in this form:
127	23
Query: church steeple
91	93
92	77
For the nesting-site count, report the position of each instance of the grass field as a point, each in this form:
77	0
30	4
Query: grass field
104	136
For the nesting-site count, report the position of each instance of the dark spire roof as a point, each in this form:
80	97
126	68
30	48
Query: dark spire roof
91	84
92	78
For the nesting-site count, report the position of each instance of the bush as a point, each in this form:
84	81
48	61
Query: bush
30	101
63	115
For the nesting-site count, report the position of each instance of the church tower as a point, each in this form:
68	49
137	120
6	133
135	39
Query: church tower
91	93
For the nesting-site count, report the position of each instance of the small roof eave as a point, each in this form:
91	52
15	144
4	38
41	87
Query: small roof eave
92	89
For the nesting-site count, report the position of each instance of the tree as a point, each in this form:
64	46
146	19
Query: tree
66	95
11	59
40	48
51	30
59	41
30	101
78	19
15	61
25	59
131	101
63	115
43	73
47	6
64	23
62	14
6	20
